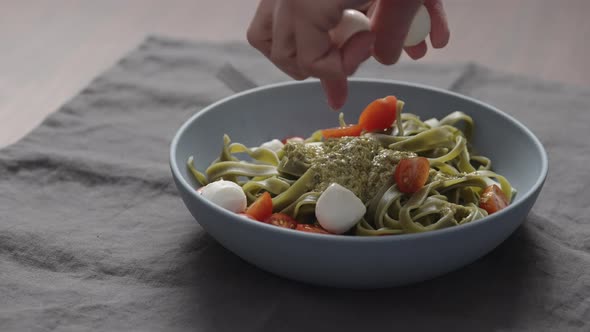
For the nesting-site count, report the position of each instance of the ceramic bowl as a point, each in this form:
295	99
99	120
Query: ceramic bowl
298	109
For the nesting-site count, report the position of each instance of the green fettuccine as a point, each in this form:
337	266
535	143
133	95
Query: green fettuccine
296	175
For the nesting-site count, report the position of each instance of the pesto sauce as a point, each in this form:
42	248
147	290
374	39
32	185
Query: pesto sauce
305	153
360	164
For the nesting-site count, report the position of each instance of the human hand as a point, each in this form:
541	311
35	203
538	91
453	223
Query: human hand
294	35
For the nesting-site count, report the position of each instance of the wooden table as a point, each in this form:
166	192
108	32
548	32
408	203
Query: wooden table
52	49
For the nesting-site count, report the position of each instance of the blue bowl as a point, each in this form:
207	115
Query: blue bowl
298	109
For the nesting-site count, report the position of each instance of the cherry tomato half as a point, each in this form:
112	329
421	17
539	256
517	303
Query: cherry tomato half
379	114
353	130
281	220
311	229
411	174
261	209
493	199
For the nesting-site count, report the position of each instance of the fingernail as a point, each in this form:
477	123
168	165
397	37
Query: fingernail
329	98
336	101
388	59
377	58
387	62
332	105
336	92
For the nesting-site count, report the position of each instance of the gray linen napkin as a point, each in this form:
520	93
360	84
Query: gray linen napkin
93	235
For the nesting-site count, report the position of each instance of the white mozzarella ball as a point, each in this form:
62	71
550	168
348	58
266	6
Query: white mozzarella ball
226	194
352	22
419	29
274	145
433	123
296	140
338	209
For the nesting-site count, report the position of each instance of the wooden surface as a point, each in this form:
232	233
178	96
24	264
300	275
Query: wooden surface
52	49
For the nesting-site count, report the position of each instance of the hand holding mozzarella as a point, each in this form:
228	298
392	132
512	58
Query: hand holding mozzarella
307	38
354	21
419	29
351	23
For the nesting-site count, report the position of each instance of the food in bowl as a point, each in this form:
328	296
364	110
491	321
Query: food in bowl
390	173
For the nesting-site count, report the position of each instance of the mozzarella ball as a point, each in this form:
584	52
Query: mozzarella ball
296	139
419	29
226	194
338	209
433	122
275	145
352	22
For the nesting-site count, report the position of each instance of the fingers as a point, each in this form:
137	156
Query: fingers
391	21
259	32
336	92
300	44
294	35
316	54
354	52
371	9
365	7
283	52
417	51
439	31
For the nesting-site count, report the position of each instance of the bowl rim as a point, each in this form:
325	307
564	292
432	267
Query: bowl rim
357	239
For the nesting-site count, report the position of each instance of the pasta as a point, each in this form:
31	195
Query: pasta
457	180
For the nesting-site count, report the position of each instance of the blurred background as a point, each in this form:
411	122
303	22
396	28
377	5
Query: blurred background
51	49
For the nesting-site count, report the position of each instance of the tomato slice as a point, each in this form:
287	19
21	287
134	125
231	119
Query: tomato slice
379	114
353	130
281	220
493	199
311	229
261	209
411	174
